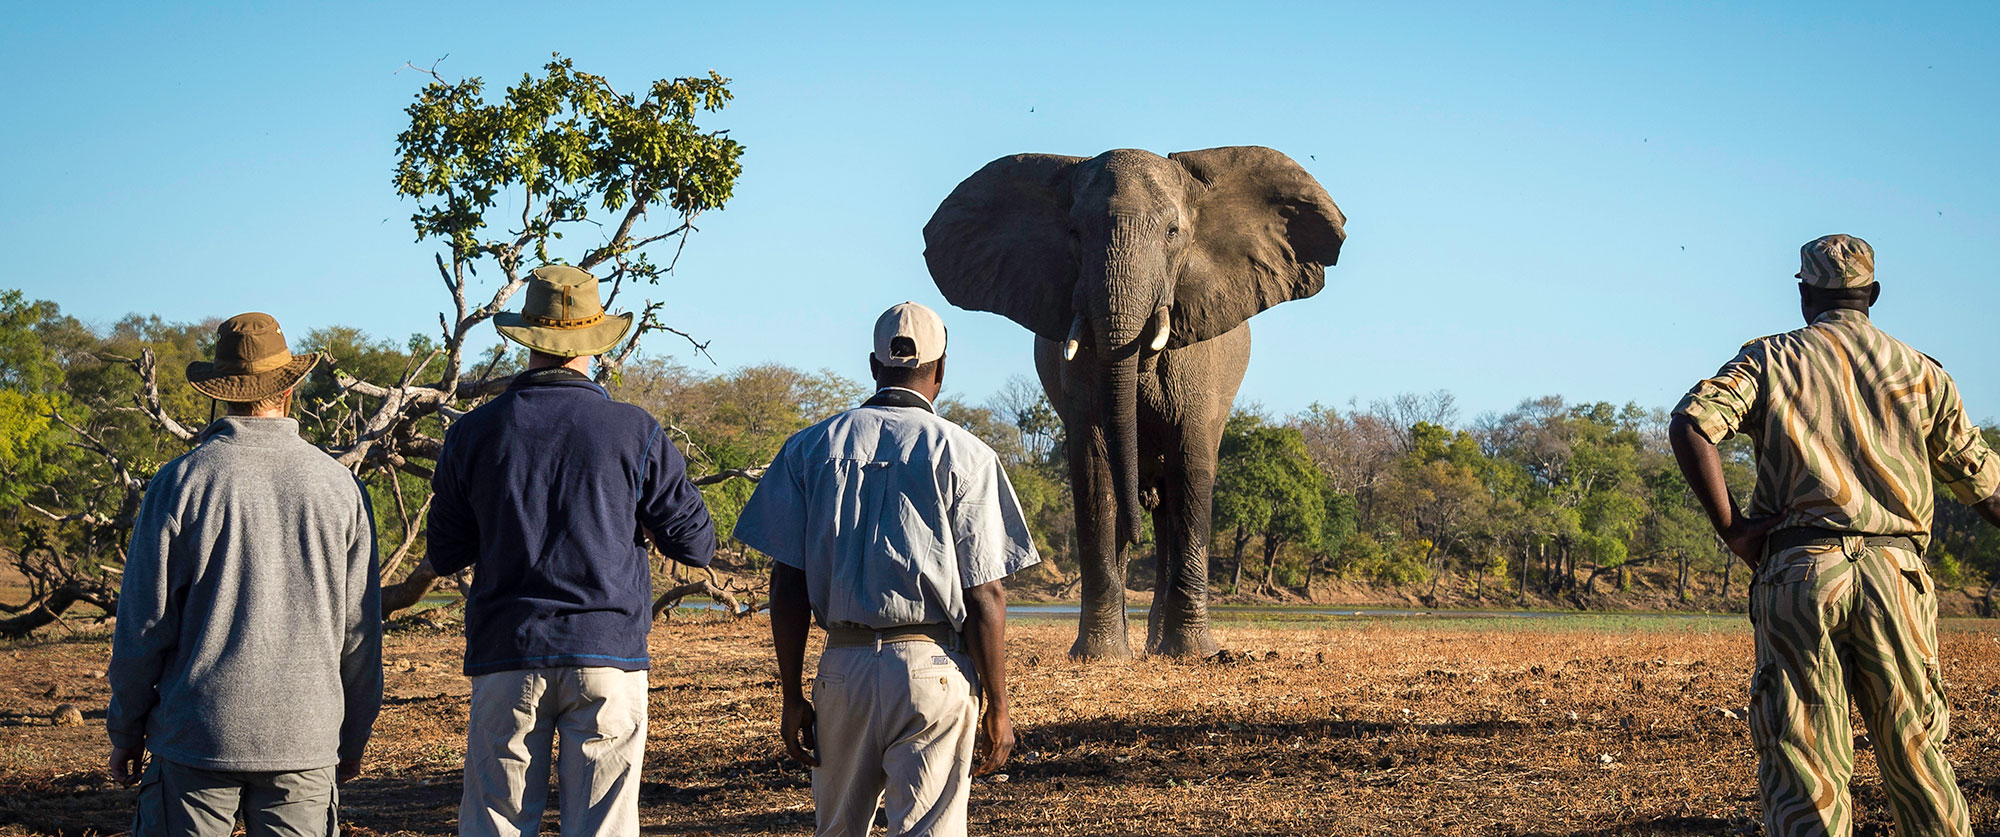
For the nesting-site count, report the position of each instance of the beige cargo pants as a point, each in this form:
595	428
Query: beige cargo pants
1835	621
601	713
896	726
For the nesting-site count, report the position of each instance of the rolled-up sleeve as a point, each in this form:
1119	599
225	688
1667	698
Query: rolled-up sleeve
672	509
989	532
1960	458
774	520
1718	406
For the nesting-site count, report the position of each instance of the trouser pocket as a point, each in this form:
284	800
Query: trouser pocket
149	818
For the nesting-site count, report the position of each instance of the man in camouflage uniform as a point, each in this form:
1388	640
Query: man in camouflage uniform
1850	427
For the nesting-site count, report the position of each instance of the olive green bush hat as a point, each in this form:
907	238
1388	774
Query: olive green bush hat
1834	262
251	362
561	315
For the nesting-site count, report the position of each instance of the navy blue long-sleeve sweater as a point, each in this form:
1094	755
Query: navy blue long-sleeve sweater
548	490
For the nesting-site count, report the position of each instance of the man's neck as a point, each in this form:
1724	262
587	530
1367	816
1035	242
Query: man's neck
538	361
930	398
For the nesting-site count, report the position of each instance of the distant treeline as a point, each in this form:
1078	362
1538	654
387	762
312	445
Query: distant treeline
1552	499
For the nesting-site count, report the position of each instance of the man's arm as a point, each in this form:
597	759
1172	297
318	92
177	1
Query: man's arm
992	539
791	620
1961	460
1701	466
986	636
671	508
451	532
147	631
1989	508
361	651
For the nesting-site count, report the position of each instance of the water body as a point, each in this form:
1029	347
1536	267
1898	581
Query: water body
1073	608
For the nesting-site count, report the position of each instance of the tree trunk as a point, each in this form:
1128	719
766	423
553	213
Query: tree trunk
1271	545
1524	574
1681	582
1240	539
50	609
1728	569
1986	605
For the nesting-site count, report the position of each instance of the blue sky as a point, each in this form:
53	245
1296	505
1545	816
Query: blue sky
1595	200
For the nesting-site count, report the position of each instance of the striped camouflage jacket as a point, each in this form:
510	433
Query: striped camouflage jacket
1850	427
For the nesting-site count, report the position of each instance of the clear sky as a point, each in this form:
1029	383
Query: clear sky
1596	200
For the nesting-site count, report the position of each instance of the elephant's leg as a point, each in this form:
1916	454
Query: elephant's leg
1101	622
1178	624
1198	387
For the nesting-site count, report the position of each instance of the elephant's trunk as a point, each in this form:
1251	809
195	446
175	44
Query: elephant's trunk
1120	354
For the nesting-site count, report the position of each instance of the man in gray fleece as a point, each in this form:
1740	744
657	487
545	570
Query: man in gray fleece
248	652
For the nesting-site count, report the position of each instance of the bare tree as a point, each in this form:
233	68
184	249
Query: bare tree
565	148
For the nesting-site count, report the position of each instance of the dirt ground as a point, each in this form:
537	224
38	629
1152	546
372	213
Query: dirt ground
1575	725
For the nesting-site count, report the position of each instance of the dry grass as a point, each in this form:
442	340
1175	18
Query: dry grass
1319	727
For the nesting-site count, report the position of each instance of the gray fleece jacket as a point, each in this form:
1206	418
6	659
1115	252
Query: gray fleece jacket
249	628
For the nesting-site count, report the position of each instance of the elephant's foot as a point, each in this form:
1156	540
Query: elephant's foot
1091	647
1185	641
1101	639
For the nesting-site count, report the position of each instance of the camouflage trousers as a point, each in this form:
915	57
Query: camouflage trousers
1839	619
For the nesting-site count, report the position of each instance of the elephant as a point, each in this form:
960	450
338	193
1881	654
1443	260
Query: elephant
1138	274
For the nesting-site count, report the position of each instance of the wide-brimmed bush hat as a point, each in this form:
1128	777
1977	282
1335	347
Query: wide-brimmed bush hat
560	315
251	362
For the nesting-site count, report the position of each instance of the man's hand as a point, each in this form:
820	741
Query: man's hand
127	763
1745	536
998	731
796	727
346	771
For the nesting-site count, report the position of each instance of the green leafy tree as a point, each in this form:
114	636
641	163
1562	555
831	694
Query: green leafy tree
1266	485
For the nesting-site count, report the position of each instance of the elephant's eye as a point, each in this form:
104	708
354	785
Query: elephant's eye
1173	230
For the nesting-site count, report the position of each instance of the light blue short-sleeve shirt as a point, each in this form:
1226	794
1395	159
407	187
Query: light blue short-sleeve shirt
891	512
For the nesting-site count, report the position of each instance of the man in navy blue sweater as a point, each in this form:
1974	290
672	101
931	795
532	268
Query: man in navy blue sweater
552	491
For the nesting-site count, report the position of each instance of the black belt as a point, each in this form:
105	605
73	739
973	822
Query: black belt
1796	536
844	637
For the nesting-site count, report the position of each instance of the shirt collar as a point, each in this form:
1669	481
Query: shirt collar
552	375
251	430
1840	315
900	397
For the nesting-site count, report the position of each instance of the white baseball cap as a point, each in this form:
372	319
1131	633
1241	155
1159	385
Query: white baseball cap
908	335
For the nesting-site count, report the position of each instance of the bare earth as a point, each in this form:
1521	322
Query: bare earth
1576	725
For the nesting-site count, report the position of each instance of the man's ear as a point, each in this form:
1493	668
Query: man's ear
874	368
1874	293
937	375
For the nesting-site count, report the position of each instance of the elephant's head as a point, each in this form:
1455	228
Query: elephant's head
1130	253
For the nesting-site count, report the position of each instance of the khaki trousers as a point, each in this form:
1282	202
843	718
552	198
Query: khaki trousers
601	713
898	719
175	799
1841	621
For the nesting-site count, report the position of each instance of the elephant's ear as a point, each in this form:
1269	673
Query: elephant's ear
1000	242
1264	233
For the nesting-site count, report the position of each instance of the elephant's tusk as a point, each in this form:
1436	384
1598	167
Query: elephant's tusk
1075	339
1165	330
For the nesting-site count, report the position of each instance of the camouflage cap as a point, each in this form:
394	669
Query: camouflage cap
1837	261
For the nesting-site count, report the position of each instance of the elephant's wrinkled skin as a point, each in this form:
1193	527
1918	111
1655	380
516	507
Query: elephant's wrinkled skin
1137	274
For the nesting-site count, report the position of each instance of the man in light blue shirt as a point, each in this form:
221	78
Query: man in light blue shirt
893	528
